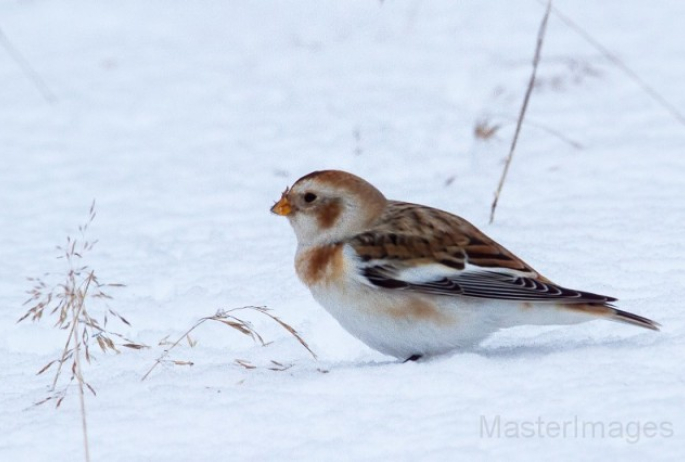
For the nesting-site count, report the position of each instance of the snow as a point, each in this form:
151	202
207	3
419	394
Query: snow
185	121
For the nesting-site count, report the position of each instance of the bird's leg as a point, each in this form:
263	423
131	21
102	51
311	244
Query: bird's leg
413	358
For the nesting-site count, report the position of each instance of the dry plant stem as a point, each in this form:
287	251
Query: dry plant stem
555	133
238	324
159	360
524	107
73	334
28	70
79	379
287	327
67	302
574	144
616	61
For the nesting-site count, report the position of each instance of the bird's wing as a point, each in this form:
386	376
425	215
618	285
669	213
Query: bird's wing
430	251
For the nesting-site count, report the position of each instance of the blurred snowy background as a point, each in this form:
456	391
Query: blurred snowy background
185	121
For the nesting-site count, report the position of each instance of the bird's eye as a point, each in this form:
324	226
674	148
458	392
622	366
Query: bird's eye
309	197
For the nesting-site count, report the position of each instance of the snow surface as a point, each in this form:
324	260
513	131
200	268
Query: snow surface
185	120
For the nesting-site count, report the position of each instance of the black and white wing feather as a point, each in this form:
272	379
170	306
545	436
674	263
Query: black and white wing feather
473	282
426	250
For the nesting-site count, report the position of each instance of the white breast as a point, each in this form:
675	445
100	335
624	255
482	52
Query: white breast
395	322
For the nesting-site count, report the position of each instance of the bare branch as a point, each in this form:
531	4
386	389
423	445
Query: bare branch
524	107
28	70
619	63
226	318
557	134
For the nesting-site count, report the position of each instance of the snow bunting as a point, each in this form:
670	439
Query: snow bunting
412	281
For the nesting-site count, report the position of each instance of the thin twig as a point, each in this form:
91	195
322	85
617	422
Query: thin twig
574	144
293	332
72	333
522	114
225	317
28	70
173	345
67	301
79	379
616	61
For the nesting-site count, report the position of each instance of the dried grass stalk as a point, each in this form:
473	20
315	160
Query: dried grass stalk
226	318
524	107
69	301
27	69
620	64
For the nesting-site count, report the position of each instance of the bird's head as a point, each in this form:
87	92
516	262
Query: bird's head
329	206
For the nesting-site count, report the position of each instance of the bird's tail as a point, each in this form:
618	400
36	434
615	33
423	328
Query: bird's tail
611	313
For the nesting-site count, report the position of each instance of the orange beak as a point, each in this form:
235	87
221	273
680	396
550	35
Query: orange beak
282	207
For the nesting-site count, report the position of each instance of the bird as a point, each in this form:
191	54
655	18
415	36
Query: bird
412	281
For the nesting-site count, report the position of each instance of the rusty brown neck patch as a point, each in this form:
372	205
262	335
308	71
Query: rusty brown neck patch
320	264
